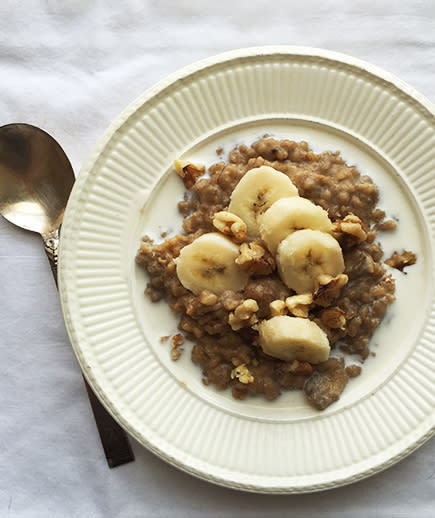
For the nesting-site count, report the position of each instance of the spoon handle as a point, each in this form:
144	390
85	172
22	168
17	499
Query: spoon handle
115	442
51	245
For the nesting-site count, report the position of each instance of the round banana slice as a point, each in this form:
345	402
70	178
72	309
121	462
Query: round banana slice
293	338
287	215
304	256
255	193
208	263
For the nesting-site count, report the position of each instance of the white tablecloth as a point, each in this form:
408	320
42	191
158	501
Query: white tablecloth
71	67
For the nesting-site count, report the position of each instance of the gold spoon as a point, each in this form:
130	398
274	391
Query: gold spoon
36	179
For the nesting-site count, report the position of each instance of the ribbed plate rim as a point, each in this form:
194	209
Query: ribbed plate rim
267	52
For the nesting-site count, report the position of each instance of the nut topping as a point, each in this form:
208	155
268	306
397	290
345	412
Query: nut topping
230	225
244	315
299	305
188	172
243	374
278	308
255	259
352	226
329	288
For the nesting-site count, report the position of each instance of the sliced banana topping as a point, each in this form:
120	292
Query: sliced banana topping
292	338
306	255
288	215
258	189
208	263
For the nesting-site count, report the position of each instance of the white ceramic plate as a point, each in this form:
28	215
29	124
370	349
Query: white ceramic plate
127	188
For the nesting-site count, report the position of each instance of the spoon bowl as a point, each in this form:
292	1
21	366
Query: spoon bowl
36	178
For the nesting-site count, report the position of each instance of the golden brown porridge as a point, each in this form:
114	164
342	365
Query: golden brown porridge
277	266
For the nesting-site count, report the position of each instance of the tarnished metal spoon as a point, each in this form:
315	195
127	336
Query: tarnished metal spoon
36	179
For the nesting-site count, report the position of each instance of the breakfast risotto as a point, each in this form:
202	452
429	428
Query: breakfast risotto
277	270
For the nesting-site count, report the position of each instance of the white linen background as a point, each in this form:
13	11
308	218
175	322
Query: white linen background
71	67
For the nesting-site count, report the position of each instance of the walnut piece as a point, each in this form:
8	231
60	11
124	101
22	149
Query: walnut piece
352	226
299	305
188	172
399	261
176	349
278	308
243	374
329	289
244	315
255	259
230	225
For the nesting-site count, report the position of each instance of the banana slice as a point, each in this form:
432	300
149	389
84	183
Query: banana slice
293	338
208	263
287	215
255	193
306	255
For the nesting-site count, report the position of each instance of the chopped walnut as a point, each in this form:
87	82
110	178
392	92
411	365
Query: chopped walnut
176	349
177	340
352	226
399	261
175	354
255	259
244	315
230	225
333	318
299	305
207	298
328	281
243	374
329	289
278	308
188	172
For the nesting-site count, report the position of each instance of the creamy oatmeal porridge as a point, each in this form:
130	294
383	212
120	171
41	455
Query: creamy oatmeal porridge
277	269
